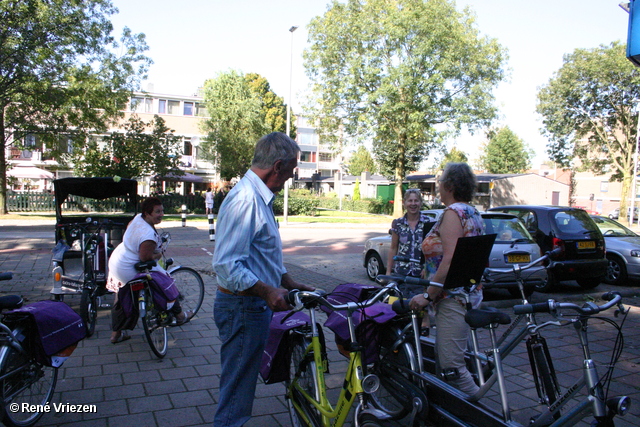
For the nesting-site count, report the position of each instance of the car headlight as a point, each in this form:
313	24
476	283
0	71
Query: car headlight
635	253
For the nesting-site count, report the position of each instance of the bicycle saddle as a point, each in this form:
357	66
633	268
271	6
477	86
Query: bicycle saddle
145	265
10	301
479	318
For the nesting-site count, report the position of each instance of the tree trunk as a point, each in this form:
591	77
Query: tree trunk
623	217
399	177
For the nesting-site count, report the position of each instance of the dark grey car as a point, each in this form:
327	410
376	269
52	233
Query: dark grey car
583	246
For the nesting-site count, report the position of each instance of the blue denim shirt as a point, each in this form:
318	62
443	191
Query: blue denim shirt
248	245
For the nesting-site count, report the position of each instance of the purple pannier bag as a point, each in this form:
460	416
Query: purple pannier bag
366	323
52	327
276	358
163	290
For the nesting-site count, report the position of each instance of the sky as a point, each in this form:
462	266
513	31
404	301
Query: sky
194	40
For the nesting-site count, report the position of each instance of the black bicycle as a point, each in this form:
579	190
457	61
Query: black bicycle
82	268
28	376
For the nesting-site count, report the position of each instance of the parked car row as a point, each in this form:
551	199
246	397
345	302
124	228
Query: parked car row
513	244
595	249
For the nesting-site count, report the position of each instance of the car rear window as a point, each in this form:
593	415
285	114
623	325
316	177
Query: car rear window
507	229
574	222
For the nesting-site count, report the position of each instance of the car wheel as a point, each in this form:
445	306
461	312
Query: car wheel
616	272
548	284
590	282
374	265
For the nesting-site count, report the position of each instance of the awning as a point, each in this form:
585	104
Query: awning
187	177
29	172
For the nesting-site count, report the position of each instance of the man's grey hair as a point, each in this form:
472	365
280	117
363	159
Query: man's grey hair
273	147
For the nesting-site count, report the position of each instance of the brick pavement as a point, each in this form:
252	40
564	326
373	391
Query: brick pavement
129	386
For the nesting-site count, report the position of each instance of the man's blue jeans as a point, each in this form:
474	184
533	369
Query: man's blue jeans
243	324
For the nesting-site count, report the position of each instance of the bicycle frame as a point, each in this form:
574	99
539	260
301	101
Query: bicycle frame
352	385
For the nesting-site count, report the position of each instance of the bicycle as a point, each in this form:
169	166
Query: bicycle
27	376
407	354
83	268
306	393
156	320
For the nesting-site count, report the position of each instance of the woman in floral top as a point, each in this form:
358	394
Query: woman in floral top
457	186
407	234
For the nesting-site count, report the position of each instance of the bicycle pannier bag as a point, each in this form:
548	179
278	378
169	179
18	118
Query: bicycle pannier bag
53	329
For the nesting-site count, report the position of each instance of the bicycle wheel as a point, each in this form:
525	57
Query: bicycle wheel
26	382
191	288
89	309
303	372
391	395
155	326
546	383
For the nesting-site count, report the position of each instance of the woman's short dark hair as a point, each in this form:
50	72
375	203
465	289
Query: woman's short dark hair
460	178
148	204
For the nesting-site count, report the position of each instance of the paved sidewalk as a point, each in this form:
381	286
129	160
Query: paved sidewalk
129	386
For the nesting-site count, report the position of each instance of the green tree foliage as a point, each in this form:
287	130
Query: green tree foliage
453	156
361	161
134	153
242	109
356	190
404	73
62	74
273	106
506	152
590	113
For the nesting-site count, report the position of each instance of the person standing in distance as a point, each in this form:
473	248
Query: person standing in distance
252	279
208	201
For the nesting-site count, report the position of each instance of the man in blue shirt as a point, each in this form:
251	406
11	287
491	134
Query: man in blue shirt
252	280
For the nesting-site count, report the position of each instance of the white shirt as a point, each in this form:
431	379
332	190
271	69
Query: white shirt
126	255
248	245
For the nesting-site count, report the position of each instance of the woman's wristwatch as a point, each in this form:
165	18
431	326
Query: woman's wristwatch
427	297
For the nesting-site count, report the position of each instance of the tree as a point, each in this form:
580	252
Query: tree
239	116
273	106
453	156
361	161
356	190
506	152
134	152
404	73
60	75
590	113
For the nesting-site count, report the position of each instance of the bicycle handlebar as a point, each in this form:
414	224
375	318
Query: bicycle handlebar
6	275
384	279
301	299
552	306
547	255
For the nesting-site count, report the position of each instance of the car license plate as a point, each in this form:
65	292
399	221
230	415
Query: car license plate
587	245
519	258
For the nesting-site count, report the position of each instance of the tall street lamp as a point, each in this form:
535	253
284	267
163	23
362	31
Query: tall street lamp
286	185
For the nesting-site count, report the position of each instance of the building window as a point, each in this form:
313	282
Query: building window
306	137
326	157
162	106
306	156
604	186
30	141
173	107
188	148
142	105
201	110
188	109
